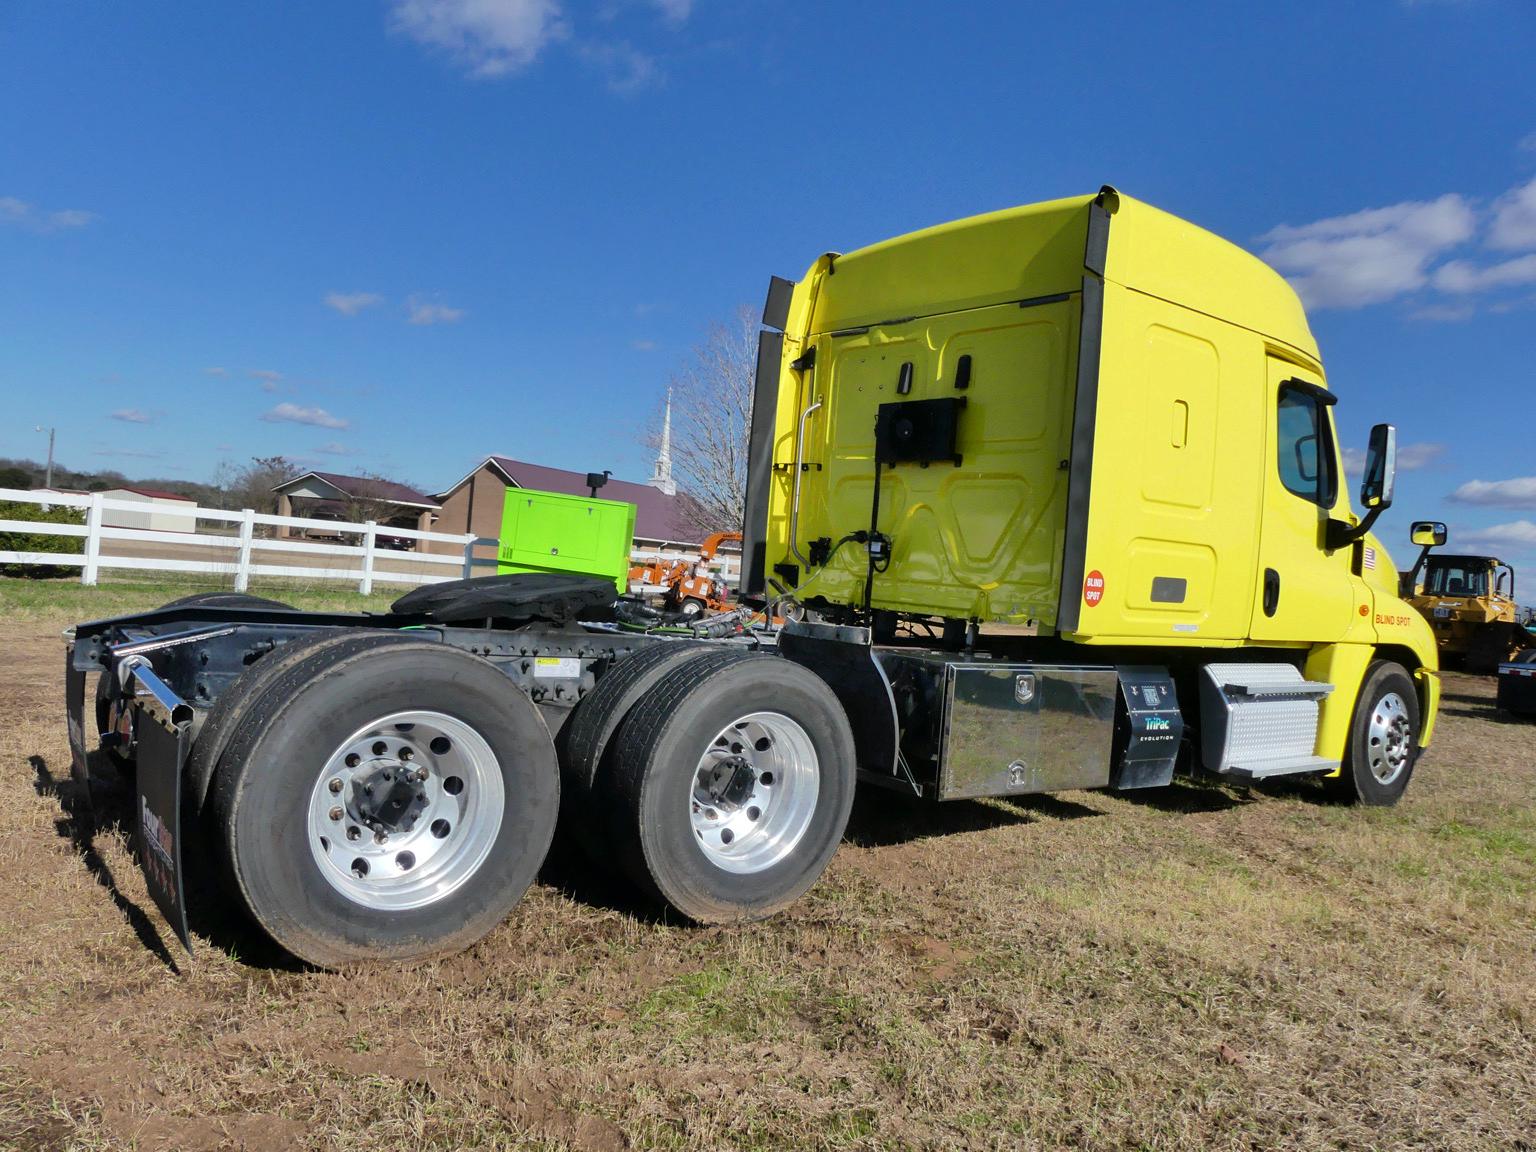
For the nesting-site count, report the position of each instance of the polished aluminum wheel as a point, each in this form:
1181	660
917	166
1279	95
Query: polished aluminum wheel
1389	739
754	792
406	810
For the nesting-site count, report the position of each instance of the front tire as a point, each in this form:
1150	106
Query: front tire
1383	737
733	779
389	803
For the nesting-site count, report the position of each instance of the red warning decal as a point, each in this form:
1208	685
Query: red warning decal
1093	588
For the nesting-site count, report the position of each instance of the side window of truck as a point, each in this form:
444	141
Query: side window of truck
1306	447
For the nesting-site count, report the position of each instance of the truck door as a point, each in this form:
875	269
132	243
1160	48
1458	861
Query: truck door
1302	592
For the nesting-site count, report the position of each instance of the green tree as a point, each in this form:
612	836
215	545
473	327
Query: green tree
36	541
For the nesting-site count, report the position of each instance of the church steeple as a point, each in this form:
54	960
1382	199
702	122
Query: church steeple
662	477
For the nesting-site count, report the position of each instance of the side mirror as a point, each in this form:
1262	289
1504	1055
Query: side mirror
1427	533
1375	489
1380	480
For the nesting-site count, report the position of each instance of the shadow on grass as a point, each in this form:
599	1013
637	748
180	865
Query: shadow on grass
1487	712
210	915
596	883
1466	698
80	824
1187	796
882	818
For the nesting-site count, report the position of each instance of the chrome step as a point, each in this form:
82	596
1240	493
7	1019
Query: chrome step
1260	720
1259	771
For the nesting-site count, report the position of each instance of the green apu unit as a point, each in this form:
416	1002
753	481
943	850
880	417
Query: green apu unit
553	532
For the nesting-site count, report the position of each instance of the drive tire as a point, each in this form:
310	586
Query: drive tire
585	741
286	745
658	765
229	710
1383	737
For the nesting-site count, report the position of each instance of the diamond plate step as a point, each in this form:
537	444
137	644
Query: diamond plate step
1259	720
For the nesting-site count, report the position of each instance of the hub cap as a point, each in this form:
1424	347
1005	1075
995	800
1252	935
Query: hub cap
406	810
754	792
1389	738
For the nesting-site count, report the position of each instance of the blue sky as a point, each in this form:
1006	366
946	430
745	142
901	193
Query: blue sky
399	235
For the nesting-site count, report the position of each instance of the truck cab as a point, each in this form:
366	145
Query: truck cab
1096	423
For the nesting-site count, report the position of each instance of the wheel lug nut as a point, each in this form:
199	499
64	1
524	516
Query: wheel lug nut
379	837
335	785
336	813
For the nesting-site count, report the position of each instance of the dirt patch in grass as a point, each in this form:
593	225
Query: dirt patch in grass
1199	967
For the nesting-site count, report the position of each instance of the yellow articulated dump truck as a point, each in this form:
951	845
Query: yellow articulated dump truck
1097	419
1047	499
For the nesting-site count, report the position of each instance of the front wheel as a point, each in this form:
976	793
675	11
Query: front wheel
733	782
1383	737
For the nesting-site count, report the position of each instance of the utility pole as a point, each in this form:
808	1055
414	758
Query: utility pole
48	480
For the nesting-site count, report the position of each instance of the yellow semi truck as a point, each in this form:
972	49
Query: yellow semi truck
1095	418
1048	498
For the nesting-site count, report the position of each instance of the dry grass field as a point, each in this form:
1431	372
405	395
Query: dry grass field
1199	967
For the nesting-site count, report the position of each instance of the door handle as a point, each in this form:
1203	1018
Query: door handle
1271	591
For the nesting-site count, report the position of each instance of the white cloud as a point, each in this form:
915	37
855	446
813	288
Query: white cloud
131	453
486	37
1444	313
1514	219
626	70
676	11
294	414
643	345
132	416
335	448
1527	143
1410	457
1371	256
1462	276
351	303
269	379
216	371
424	312
1519	492
1516	534
35	219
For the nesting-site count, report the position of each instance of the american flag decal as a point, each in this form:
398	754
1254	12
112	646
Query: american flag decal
1369	559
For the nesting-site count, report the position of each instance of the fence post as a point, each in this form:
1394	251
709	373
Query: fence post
469	556
365	585
92	564
243	565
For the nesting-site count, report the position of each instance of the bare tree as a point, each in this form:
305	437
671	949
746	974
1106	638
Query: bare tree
369	500
711	419
250	485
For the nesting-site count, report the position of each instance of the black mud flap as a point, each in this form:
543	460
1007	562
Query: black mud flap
74	723
162	755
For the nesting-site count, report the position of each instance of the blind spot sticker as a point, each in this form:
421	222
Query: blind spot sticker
1093	588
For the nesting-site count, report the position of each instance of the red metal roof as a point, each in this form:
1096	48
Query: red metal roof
367	488
657	515
152	493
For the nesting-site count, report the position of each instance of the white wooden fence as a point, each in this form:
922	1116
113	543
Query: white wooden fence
241	554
